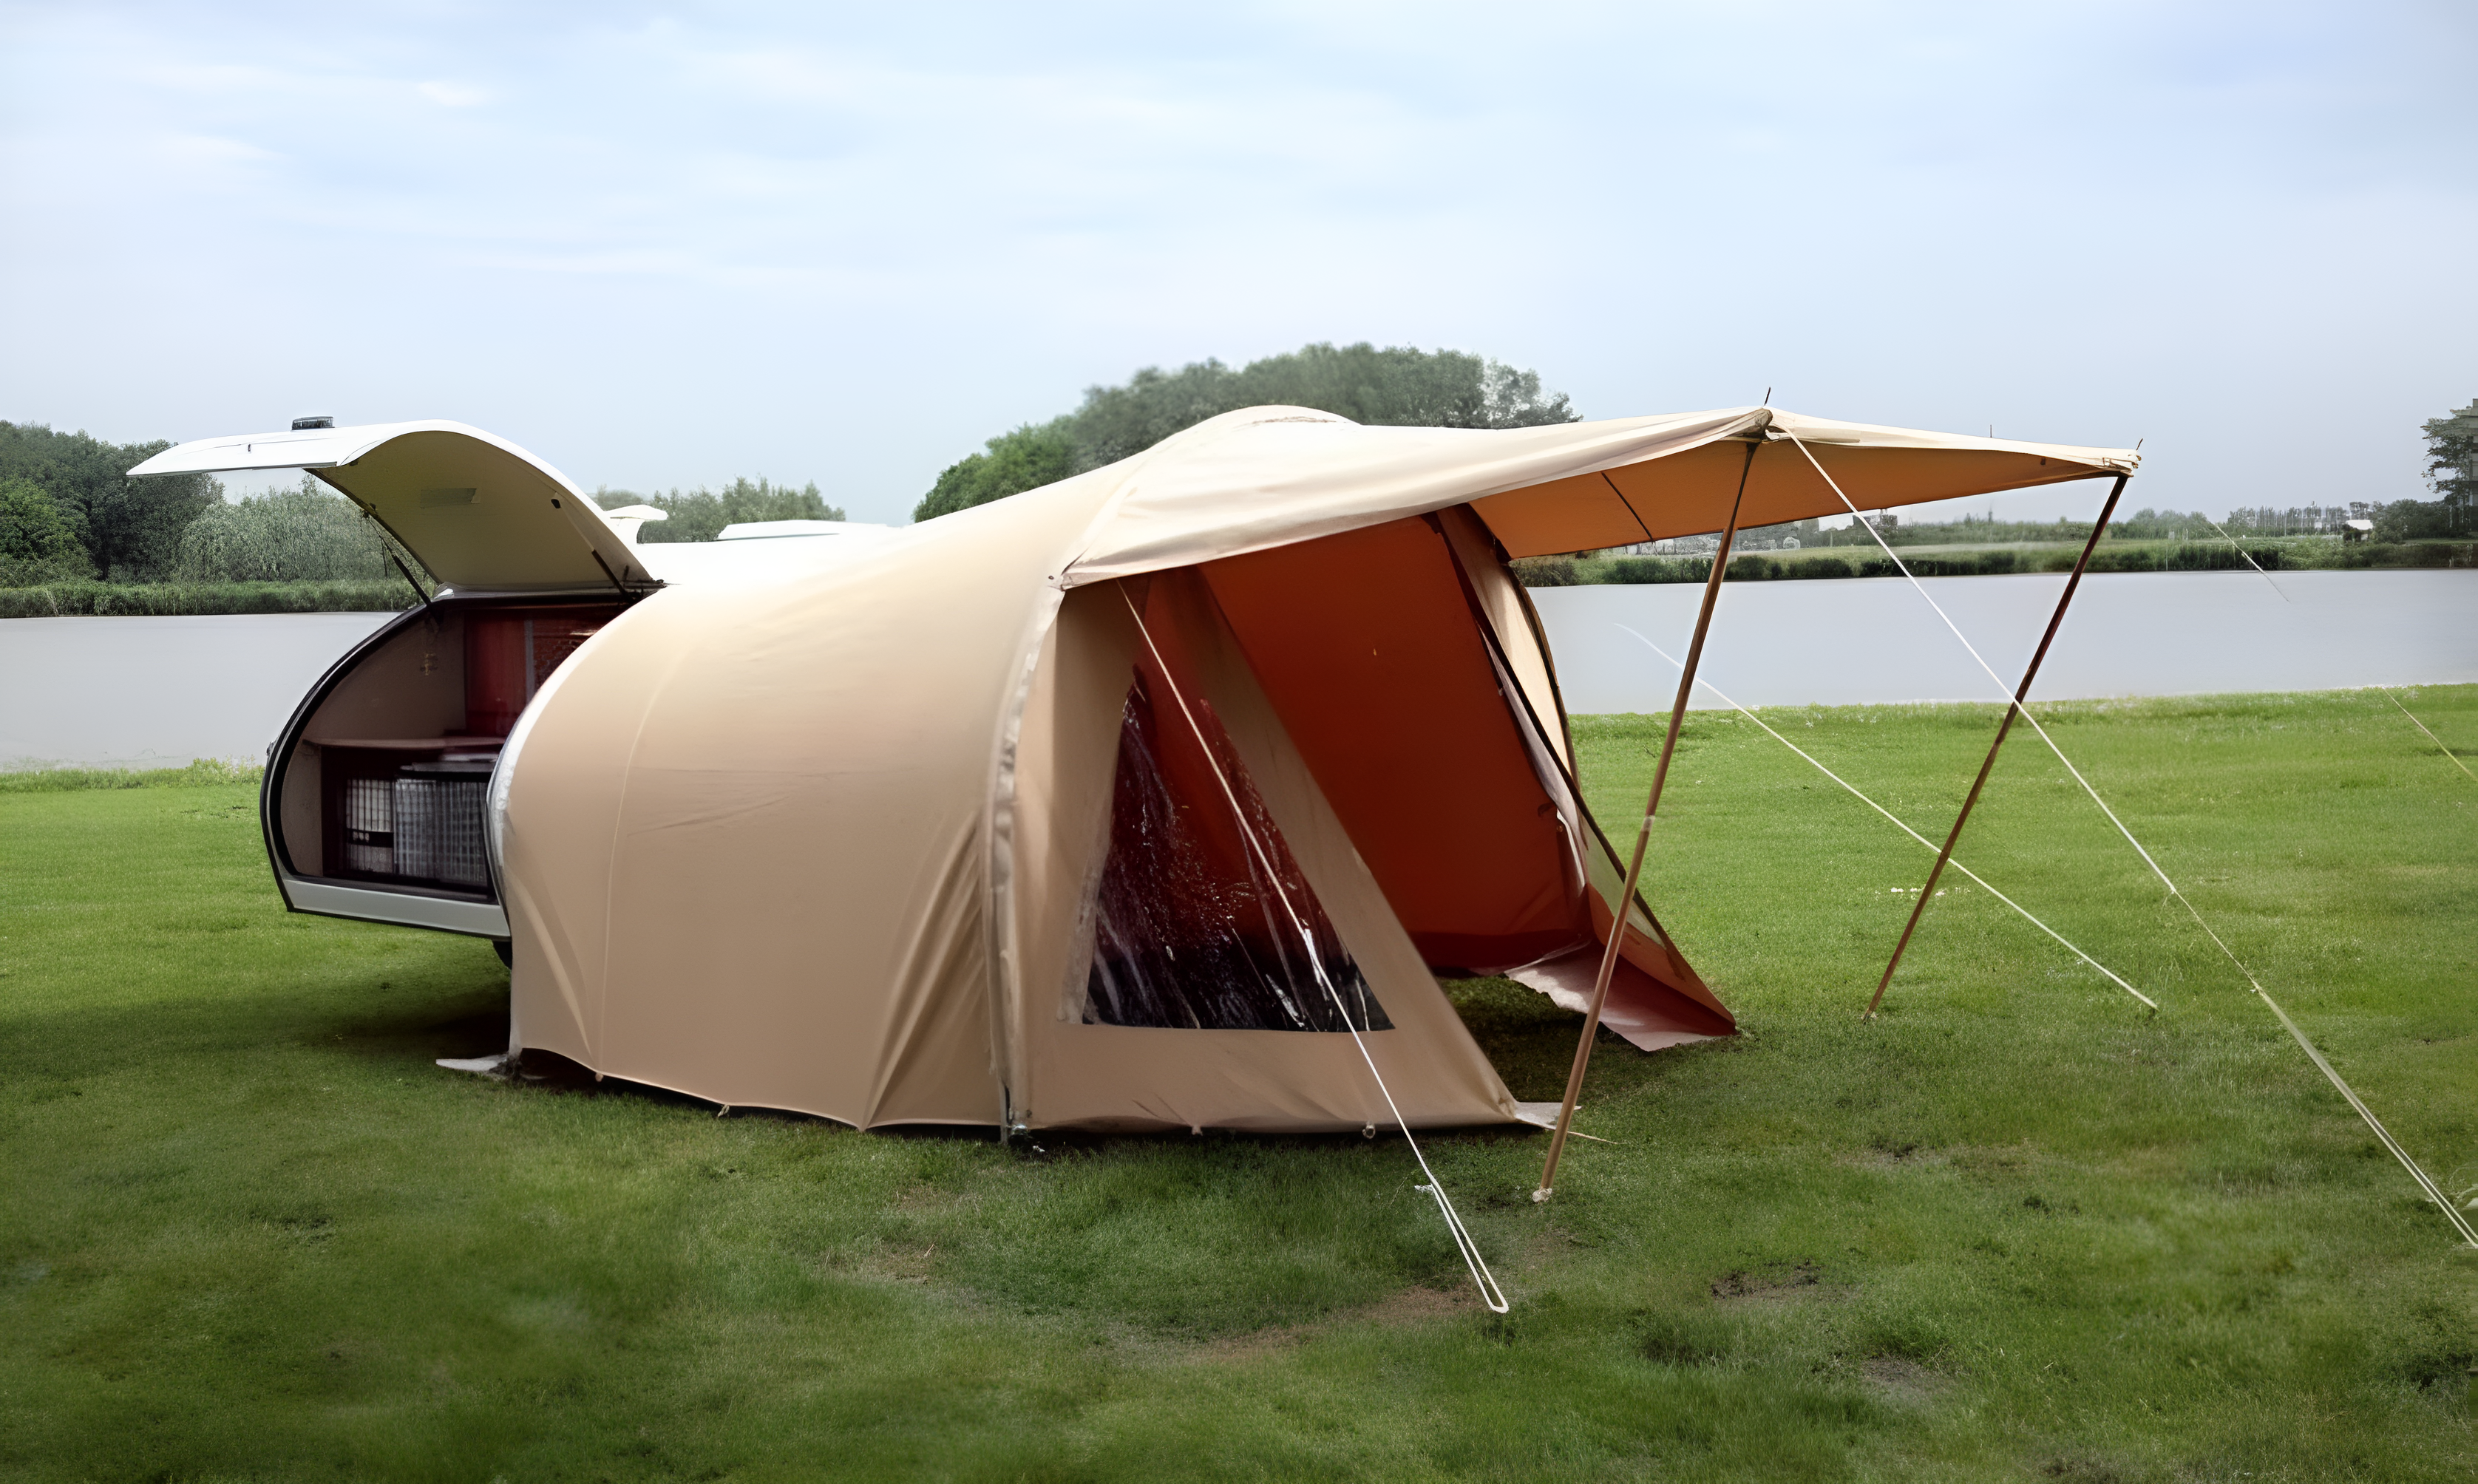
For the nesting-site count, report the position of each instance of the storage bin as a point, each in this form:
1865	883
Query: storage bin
370	827
438	813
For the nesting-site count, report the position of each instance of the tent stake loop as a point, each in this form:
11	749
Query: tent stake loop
2021	692
1625	903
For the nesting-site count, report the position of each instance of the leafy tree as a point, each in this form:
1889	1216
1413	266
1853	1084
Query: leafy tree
131	528
1026	459
2452	469
1397	386
36	541
700	515
304	535
2410	520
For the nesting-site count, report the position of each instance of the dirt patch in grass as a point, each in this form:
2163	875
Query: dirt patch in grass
886	1262
2079	1467
1774	1281
1410	1307
1897	1378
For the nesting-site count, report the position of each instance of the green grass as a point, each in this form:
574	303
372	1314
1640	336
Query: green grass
202	772
2014	1229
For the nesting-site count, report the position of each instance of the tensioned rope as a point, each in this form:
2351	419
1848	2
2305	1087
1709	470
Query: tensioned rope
2025	712
2248	555
2388	693
1481	1278
1904	828
2448	755
2416	1172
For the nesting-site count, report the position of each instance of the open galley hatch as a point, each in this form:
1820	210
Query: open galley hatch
382	782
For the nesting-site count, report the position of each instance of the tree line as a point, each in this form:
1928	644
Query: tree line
701	514
2393	522
1396	386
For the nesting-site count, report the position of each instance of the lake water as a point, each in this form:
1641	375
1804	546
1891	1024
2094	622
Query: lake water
159	691
1874	640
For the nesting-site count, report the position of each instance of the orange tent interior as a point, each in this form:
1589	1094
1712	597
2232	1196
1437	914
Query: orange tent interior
1371	650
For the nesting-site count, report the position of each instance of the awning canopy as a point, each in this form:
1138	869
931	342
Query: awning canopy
1274	475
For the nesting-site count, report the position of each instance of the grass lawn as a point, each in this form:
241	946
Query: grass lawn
2017	1228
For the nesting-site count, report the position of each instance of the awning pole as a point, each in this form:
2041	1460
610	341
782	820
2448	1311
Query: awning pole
1927	892
1625	904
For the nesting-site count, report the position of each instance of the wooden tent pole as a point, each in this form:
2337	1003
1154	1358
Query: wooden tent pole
1927	892
1625	903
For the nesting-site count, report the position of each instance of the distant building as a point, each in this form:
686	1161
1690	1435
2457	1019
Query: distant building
2356	530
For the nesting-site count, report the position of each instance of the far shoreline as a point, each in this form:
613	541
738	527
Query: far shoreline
84	598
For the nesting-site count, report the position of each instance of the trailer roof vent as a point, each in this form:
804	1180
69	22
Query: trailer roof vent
304	424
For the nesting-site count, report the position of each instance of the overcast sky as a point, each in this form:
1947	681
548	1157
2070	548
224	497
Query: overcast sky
668	245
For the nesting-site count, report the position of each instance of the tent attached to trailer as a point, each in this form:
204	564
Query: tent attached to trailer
1115	804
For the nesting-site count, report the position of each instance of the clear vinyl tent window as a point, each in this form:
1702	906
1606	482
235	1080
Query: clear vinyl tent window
1188	934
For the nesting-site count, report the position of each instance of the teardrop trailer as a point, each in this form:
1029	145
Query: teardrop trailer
1106	806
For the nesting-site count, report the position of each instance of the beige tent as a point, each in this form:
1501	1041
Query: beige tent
1110	805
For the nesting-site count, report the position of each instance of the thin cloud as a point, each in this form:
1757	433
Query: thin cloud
453	96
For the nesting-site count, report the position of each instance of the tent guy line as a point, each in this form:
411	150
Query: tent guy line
2430	736
1898	825
1481	1278
2248	555
2027	713
2416	1172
